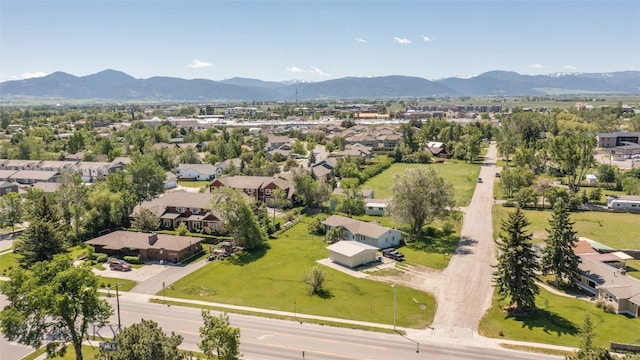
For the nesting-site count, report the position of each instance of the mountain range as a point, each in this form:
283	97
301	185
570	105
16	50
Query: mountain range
114	85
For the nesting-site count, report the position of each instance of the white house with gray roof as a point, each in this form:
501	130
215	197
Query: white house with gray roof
369	233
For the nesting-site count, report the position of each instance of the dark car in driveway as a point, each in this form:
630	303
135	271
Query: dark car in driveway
119	265
392	253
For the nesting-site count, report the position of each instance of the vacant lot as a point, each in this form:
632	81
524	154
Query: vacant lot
462	176
556	321
272	278
612	229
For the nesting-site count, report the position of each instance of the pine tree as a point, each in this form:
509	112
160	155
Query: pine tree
558	256
515	275
44	237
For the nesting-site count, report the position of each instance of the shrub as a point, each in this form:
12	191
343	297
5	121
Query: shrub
448	227
133	259
101	258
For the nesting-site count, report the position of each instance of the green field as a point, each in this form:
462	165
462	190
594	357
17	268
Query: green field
462	175
557	320
611	229
194	184
272	278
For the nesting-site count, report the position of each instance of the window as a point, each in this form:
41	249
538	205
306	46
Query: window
181	210
195	210
248	191
267	191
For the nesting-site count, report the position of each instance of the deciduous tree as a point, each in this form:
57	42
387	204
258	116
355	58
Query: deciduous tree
574	155
52	297
145	220
419	197
11	209
239	217
315	279
219	339
146	341
515	276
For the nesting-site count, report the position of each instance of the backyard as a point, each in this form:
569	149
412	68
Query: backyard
272	278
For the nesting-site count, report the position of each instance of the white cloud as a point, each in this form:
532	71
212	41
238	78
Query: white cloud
425	38
317	71
398	40
537	66
311	70
196	64
294	69
569	67
360	40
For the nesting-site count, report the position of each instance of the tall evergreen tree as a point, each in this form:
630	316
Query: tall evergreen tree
558	256
44	237
515	275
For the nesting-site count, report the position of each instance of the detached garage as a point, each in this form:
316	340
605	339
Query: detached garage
352	253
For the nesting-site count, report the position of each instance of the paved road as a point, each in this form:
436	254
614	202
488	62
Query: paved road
270	339
464	289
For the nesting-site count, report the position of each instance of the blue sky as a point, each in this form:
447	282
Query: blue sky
316	40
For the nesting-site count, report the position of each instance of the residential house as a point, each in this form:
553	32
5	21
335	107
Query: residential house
225	166
92	171
258	187
150	246
17	165
276	141
612	285
193	209
365	232
171	181
196	172
7	187
352	253
59	166
5	175
34	176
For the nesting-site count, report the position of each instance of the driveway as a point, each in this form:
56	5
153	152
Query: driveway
463	290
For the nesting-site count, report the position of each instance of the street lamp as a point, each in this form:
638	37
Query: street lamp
395	292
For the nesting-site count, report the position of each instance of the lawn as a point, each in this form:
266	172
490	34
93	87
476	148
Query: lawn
194	184
7	261
611	229
462	175
272	278
556	321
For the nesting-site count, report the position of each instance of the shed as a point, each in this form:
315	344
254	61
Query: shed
352	253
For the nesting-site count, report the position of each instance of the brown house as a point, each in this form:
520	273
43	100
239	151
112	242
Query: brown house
193	209
150	246
260	188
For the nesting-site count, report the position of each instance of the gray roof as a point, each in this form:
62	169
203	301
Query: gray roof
350	248
610	279
357	227
180	198
35	175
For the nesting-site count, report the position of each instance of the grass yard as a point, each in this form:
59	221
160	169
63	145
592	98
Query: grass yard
462	175
612	229
556	321
272	278
8	261
104	281
194	184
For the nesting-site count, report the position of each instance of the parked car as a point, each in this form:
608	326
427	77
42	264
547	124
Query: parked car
119	265
392	253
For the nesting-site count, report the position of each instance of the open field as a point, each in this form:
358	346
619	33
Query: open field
272	278
611	229
462	176
194	184
556	321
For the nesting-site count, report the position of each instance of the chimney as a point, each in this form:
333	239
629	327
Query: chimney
153	238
